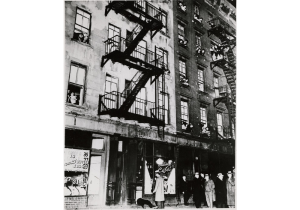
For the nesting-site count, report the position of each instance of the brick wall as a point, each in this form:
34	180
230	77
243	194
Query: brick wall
75	202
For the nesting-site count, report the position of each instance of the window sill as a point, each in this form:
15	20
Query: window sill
164	34
74	105
84	44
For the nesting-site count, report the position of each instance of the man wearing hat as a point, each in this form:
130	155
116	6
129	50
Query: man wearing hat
185	189
159	190
230	187
220	188
197	190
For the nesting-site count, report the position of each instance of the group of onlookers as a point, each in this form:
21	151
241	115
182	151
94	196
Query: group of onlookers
220	192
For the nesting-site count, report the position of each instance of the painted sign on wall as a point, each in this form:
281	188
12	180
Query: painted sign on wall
77	160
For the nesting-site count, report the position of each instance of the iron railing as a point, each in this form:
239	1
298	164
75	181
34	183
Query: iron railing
114	100
118	43
217	21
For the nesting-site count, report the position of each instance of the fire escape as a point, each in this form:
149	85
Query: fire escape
148	63
226	61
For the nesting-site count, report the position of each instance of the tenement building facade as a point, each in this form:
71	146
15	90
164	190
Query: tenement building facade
149	86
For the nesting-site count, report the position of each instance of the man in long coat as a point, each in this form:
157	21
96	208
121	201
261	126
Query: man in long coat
197	190
185	189
220	188
159	191
230	186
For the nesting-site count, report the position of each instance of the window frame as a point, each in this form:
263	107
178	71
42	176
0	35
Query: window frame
217	91
195	12
182	100
220	125
164	13
182	74
199	81
203	109
75	23
83	86
181	32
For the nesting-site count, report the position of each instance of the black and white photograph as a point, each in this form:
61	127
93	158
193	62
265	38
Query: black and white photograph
150	104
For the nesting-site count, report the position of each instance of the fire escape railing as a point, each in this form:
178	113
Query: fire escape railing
114	100
118	43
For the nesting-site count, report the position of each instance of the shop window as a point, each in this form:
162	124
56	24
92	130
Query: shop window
184	114
76	172
82	26
161	159
76	84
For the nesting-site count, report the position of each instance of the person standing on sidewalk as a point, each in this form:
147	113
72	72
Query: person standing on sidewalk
159	191
185	189
203	199
197	190
209	191
230	186
220	188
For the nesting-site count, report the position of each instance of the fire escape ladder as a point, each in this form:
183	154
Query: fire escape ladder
132	93
142	33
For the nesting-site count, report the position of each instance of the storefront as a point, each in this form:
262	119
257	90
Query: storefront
132	167
85	160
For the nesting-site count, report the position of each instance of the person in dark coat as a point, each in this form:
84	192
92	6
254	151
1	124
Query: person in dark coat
185	189
203	197
221	192
197	190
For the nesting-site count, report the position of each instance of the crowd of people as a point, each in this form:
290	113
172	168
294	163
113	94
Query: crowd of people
219	192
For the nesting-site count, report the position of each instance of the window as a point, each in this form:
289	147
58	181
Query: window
200	80
163	99
164	22
82	26
182	69
233	131
76	84
111	88
181	32
159	157
162	56
216	86
76	171
220	123
198	41
113	34
203	117
184	114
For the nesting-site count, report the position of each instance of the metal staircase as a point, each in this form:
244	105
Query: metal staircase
129	52
226	34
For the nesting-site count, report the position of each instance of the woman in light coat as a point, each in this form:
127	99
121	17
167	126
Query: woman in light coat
230	186
209	187
159	191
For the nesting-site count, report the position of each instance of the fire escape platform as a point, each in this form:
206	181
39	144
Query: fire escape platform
132	116
131	62
122	7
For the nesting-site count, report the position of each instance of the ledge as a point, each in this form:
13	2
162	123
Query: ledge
84	44
74	105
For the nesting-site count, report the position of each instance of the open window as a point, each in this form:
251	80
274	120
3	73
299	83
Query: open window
76	84
82	26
